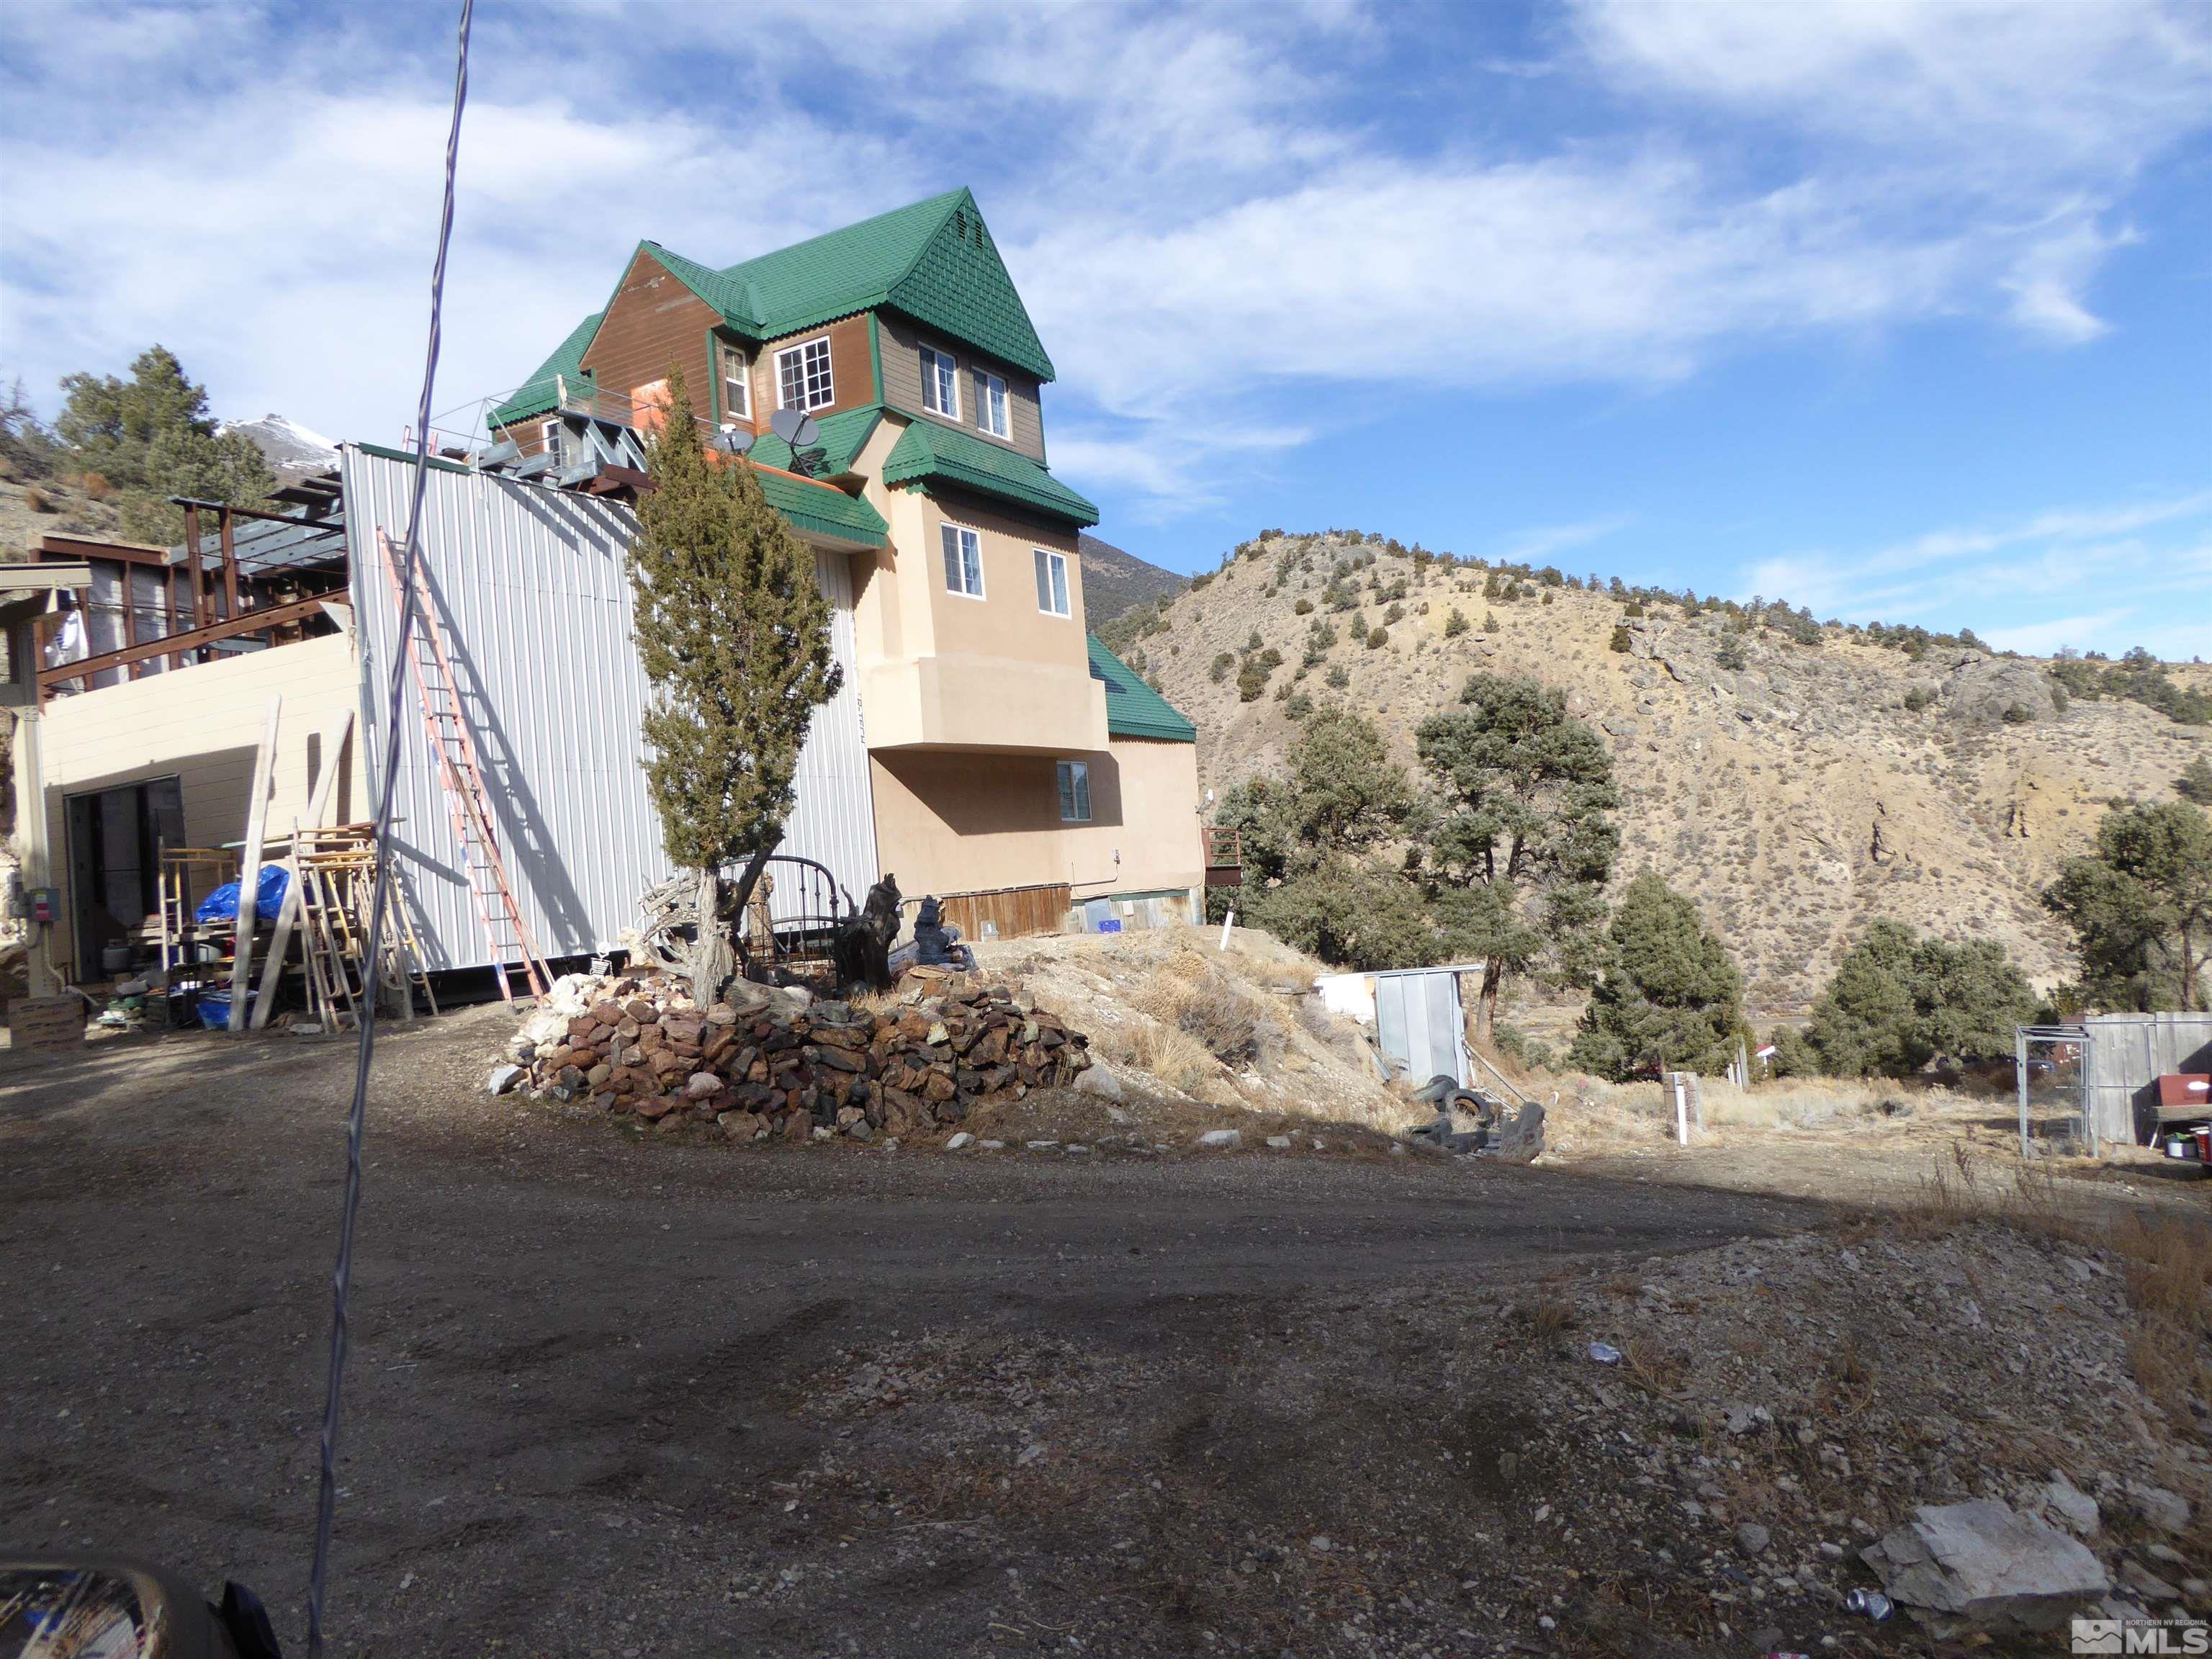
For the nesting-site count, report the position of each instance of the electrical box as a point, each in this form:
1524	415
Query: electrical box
43	904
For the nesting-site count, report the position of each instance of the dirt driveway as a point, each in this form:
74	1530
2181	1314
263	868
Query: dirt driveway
608	1397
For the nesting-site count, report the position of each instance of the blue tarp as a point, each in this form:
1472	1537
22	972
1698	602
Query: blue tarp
221	905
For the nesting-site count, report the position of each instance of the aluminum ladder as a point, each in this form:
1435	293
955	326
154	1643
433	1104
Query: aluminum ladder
505	933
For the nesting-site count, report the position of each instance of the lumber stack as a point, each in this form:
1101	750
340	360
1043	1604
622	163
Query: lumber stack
767	1062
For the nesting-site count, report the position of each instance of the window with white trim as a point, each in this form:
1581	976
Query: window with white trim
554	435
964	561
991	405
941	383
737	385
1052	582
1075	792
802	376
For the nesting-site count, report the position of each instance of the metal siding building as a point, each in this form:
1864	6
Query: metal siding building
531	586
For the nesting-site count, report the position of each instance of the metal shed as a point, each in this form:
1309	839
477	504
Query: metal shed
531	584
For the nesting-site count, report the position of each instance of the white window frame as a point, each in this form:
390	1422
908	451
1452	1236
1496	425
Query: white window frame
1073	777
1052	597
553	437
734	368
954	542
809	401
941	375
994	412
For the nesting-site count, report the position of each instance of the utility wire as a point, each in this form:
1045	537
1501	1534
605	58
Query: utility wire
327	1495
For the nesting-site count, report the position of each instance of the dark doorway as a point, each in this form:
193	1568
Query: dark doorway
115	840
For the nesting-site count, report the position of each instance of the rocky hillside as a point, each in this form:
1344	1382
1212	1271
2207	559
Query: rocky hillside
1115	581
1796	797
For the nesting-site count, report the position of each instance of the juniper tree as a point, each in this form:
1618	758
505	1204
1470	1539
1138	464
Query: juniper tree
733	632
2141	907
151	437
1524	840
1898	1000
1668	994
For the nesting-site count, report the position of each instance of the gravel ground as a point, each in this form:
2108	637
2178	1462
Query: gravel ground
625	1398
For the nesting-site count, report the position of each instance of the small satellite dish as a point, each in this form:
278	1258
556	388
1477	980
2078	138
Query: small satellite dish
734	441
795	427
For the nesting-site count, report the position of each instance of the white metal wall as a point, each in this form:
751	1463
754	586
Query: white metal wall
532	587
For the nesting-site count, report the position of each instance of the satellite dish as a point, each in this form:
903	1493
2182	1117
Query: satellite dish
795	427
734	441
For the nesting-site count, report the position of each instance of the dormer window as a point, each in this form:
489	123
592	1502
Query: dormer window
940	384
991	405
802	376
737	385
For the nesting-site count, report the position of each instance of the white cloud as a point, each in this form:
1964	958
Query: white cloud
1537	545
2139	571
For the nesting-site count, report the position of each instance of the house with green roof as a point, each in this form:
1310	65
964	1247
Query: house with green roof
1007	750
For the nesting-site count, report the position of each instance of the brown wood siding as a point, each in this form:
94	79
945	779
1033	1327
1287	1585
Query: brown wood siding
1012	912
903	343
851	376
654	321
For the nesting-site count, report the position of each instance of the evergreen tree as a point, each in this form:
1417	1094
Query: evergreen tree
1455	624
151	437
1898	1001
1315	875
2141	907
2195	783
1668	994
733	632
1524	841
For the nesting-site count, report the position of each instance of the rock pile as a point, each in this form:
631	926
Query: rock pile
775	1061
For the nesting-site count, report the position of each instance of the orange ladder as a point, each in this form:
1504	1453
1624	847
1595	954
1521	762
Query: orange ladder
504	931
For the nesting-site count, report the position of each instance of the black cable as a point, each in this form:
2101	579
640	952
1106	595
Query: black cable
327	1495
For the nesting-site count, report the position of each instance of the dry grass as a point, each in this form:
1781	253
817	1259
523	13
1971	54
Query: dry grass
1190	994
1170	1053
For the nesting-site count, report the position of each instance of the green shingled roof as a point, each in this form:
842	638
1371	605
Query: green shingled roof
1133	709
927	452
844	435
823	509
540	393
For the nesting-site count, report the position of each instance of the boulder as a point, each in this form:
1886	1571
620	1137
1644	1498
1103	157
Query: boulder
503	1079
1960	1568
1224	1139
1097	1080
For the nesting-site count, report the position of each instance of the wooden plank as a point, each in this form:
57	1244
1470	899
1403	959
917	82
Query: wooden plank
319	809
249	866
200	618
223	530
253	622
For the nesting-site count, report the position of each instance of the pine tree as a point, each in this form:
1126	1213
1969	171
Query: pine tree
1668	994
733	632
151	437
1524	841
1898	1000
2141	908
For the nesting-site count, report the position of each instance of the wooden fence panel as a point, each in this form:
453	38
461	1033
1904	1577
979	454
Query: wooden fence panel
1012	912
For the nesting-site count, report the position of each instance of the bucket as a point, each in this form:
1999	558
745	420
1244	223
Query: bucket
215	1010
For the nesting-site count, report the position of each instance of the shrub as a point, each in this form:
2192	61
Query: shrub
1490	621
1456	624
1394	615
1298	705
1732	655
1254	642
1620	640
1222	664
1918	698
1633	609
1251	681
37	501
1303	608
1337	677
2019	713
1377	637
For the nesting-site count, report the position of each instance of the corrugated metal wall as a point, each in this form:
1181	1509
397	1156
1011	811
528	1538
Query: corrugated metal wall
531	586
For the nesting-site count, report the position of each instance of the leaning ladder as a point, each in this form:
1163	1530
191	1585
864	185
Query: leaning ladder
489	890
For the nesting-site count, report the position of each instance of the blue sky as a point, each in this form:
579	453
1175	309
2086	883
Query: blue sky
1900	311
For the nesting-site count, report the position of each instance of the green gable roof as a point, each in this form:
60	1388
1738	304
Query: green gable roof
927	452
823	509
1133	709
540	393
933	260
844	435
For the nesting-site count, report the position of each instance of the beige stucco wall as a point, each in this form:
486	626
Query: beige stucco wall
940	669
967	823
203	725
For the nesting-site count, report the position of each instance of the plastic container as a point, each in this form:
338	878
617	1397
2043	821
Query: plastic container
215	1010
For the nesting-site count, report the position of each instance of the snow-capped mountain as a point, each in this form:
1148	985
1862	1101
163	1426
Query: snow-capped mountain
293	451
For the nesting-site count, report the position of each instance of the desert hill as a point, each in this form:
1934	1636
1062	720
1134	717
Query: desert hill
1115	581
1796	796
